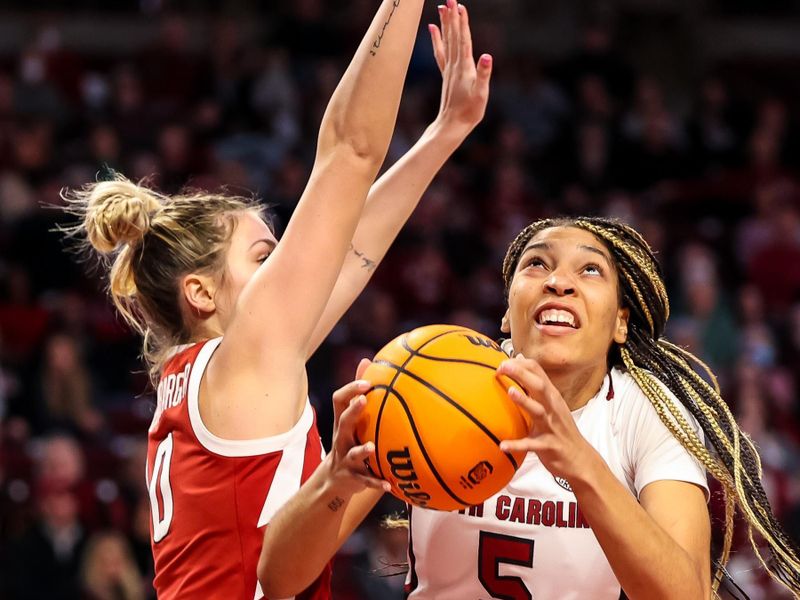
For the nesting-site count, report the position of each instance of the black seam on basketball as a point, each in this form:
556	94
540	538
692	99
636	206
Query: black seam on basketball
388	389
456	405
425	452
378	420
414	352
457	360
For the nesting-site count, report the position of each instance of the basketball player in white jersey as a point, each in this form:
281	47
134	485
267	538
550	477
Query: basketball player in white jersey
611	499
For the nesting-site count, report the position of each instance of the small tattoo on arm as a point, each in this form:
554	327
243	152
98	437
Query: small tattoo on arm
335	504
366	262
377	43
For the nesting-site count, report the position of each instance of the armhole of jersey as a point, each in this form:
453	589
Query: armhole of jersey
236	448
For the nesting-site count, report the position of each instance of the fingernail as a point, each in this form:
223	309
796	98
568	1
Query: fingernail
503	447
362	383
369	447
461	9
486	60
387	486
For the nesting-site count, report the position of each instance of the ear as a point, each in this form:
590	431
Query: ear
199	290
621	326
505	326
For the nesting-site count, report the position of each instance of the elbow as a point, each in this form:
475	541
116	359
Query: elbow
359	151
275	584
360	156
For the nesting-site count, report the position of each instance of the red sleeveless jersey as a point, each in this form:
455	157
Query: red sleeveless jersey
211	498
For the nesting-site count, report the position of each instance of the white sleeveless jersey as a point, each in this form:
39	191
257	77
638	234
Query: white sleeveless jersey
531	539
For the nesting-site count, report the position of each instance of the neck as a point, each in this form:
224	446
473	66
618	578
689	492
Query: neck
577	387
208	329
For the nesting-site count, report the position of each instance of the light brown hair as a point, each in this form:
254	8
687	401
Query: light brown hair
147	242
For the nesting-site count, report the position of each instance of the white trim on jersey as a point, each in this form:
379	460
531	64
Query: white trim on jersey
285	483
238	448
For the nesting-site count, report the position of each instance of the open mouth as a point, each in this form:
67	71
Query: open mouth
557	317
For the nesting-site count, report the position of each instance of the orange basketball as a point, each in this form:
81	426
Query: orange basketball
437	413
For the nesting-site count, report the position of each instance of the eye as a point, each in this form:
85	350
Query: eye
263	258
535	262
593	269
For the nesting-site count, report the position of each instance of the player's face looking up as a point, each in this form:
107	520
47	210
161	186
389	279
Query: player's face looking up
564	301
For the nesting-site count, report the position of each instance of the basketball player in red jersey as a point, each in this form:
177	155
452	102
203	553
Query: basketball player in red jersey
610	500
230	316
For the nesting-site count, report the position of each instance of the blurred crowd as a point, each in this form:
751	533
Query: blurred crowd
708	174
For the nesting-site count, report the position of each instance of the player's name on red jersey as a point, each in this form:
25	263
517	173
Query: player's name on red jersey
172	389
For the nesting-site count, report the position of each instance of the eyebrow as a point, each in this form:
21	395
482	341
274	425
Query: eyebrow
267	241
546	246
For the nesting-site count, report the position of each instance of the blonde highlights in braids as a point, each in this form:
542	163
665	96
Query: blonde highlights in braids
657	366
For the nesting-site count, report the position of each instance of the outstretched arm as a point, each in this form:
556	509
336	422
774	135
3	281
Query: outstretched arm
259	367
392	199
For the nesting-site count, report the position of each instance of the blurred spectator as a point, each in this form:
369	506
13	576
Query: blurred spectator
715	127
66	386
531	102
597	56
44	562
108	571
775	268
171	69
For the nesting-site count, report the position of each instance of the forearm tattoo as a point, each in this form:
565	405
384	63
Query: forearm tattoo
366	262
377	43
335	504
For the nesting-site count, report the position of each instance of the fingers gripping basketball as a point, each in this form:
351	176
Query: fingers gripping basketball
436	414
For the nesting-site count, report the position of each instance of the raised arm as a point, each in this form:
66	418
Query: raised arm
266	342
465	92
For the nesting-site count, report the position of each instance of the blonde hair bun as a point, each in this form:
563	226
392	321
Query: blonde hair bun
118	212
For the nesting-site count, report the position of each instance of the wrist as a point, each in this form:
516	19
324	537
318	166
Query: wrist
448	130
335	483
588	470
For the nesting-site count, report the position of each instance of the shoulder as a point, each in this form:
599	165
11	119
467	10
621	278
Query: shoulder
189	354
633	405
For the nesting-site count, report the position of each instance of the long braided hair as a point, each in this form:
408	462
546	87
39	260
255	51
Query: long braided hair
731	456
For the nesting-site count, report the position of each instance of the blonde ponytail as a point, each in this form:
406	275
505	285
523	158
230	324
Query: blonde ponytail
118	212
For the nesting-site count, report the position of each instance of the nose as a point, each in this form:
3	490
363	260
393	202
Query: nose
559	285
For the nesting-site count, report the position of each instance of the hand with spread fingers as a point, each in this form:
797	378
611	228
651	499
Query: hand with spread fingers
346	462
465	83
554	436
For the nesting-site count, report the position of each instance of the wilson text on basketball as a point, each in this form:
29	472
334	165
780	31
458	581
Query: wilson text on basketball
402	469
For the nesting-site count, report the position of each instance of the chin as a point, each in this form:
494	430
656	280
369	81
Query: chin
550	356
